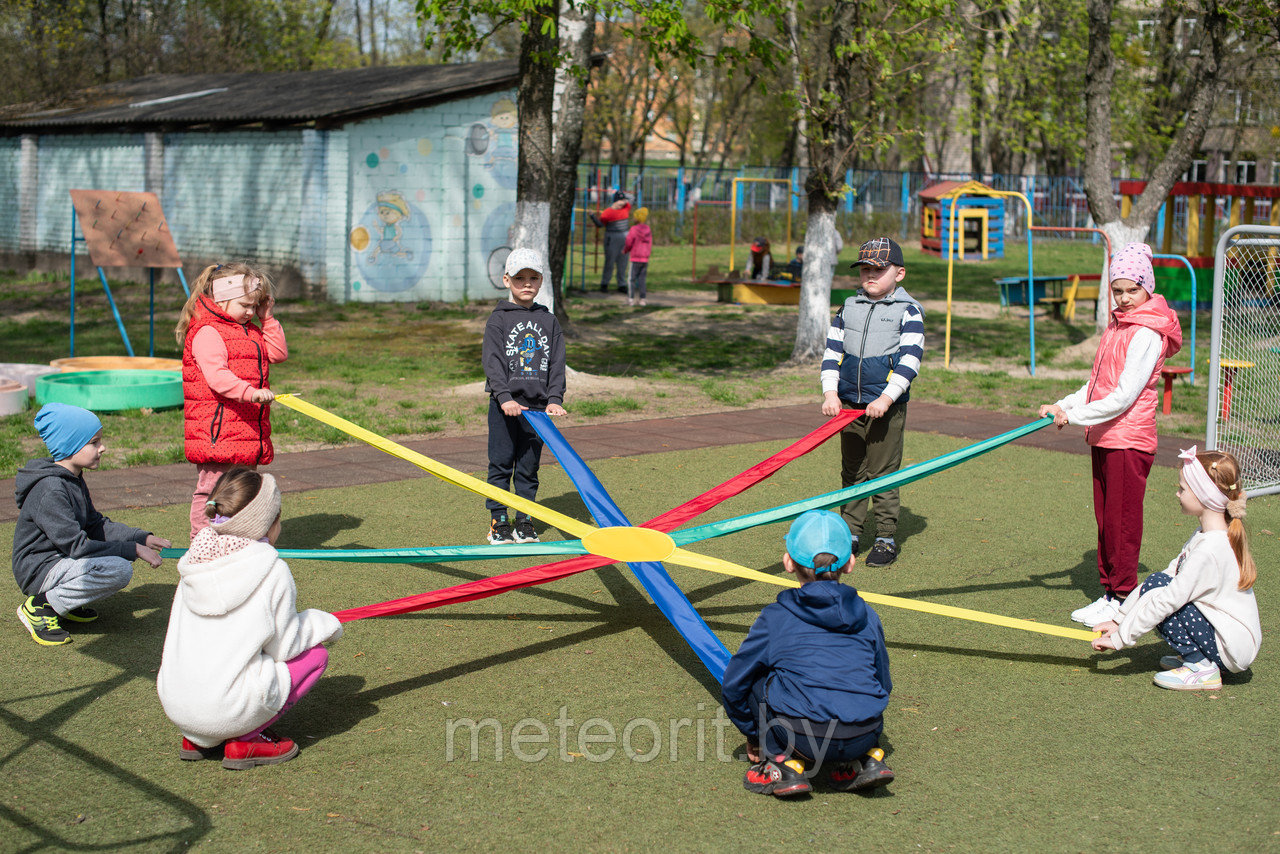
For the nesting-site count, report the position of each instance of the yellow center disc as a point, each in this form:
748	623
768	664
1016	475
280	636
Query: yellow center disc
633	545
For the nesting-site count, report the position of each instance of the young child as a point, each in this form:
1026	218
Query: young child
523	356
1203	603
226	366
639	247
613	220
810	683
65	553
760	261
874	348
238	654
1118	406
795	267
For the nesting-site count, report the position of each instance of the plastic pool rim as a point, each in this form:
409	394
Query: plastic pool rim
110	391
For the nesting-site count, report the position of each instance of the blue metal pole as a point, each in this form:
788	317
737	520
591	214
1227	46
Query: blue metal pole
848	202
1031	294
73	281
102	274
151	346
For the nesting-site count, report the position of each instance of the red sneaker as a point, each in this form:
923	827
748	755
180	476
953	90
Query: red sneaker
192	752
263	749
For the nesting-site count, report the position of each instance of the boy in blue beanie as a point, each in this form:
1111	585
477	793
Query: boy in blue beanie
65	553
810	683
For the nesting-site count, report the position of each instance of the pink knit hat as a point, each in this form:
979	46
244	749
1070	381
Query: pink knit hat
1133	262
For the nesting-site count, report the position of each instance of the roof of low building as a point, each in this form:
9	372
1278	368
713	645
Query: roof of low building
327	98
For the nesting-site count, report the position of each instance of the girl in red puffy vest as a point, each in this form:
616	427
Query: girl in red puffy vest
1118	408
226	363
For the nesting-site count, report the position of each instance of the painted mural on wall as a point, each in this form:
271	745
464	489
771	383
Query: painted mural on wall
433	201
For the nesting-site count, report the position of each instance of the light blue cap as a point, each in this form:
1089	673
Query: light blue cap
66	429
819	531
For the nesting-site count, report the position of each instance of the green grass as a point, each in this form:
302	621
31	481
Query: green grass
1002	740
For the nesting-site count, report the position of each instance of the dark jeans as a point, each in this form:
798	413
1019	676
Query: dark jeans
614	258
1186	629
817	742
515	452
639	270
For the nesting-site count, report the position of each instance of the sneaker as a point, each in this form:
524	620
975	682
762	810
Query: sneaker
500	531
524	530
1170	662
1098	611
42	622
882	554
1203	676
191	752
642	303
867	773
266	748
83	614
779	776
630	301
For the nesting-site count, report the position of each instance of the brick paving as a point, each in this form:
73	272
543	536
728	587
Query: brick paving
150	486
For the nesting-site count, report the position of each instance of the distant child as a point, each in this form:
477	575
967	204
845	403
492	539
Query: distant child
65	553
795	267
1203	603
810	683
639	247
874	348
523	357
613	220
1118	406
237	654
760	261
226	366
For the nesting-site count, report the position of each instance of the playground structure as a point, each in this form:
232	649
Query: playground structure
122	229
1187	223
960	217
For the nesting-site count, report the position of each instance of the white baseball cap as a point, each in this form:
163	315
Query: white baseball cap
523	258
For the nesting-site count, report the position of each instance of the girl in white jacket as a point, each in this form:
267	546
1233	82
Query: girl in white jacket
238	654
1203	603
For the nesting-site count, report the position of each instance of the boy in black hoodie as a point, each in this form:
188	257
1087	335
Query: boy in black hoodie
523	357
811	681
65	553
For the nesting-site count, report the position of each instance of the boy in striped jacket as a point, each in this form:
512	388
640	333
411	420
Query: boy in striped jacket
874	347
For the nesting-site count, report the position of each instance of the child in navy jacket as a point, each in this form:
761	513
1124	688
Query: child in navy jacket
811	681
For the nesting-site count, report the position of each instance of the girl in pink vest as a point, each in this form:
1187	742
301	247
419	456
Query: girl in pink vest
226	363
1118	408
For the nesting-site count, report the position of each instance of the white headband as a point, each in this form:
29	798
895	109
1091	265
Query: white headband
227	288
1202	485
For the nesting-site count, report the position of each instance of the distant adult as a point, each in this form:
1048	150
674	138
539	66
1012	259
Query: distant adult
613	220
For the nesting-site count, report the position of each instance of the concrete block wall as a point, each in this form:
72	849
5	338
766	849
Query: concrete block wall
10	157
97	162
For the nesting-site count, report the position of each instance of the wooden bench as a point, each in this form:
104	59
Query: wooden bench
1076	291
1168	373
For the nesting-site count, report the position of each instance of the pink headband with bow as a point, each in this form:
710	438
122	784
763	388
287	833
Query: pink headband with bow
1202	485
229	287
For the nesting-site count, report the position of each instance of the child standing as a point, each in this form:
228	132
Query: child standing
65	553
811	681
874	348
1203	603
1118	406
523	356
226	366
639	247
237	654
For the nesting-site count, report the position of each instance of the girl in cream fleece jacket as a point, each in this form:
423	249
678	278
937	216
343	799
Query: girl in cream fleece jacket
237	653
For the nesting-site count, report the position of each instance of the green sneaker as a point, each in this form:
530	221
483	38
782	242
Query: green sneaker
42	622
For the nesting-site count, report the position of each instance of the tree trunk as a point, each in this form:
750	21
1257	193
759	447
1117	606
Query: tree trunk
577	35
815	280
534	176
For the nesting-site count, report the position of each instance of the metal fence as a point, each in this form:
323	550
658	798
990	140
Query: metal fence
1244	357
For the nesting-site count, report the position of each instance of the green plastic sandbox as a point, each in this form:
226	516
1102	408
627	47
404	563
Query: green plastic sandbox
110	391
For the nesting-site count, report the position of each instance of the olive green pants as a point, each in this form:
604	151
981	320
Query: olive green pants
869	449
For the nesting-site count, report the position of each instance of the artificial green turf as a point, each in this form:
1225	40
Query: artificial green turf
1002	740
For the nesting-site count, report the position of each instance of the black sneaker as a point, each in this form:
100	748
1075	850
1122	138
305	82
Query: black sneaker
42	622
868	773
500	531
882	554
524	530
780	777
83	614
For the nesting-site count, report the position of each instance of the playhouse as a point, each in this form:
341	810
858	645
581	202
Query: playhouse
978	221
1188	224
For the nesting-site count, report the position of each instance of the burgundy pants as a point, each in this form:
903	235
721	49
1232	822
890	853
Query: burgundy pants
1119	486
